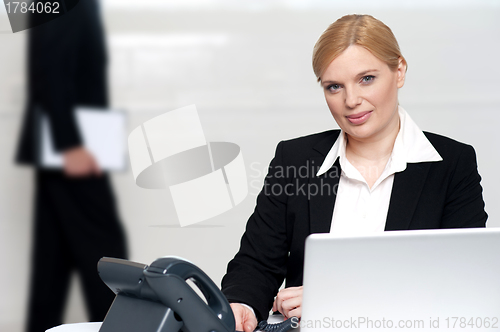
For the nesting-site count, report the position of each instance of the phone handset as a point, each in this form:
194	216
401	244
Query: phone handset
215	315
216	300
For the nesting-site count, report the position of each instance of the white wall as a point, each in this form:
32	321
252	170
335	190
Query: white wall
247	67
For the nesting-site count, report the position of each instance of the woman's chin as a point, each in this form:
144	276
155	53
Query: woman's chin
360	132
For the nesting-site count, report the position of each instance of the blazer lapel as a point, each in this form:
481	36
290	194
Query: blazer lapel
405	194
321	205
325	186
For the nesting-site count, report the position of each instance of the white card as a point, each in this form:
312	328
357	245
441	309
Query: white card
102	132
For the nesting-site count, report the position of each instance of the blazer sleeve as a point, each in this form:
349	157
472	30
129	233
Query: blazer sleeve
464	206
53	52
257	271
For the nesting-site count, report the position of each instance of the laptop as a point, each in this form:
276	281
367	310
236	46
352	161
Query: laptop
422	280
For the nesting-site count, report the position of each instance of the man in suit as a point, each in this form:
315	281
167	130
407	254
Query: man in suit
76	220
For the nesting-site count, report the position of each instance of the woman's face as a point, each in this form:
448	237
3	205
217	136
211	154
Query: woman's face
362	93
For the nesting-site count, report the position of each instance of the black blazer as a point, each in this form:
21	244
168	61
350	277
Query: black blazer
294	203
66	68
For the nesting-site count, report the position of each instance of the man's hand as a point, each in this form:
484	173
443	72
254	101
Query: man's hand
79	162
289	302
244	317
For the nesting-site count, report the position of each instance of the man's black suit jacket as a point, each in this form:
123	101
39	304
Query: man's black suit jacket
66	68
294	203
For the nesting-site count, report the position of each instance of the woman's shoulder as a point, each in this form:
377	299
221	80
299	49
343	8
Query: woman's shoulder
300	150
316	140
448	147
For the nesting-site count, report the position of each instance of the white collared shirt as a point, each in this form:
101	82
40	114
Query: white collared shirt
360	209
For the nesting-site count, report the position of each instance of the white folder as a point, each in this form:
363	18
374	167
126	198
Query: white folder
102	132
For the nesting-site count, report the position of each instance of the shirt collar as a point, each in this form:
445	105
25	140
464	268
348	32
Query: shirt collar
411	146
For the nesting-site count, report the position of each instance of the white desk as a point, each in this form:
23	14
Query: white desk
79	327
94	327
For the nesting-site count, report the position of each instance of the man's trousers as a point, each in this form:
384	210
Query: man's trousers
75	224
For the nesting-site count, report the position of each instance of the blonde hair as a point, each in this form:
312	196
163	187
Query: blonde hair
362	30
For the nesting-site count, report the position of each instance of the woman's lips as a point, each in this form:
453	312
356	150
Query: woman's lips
359	118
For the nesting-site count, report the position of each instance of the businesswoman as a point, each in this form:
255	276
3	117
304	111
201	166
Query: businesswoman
379	172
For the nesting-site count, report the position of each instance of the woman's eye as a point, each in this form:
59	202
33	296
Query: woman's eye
333	87
367	79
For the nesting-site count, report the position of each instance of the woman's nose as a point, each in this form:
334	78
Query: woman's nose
352	97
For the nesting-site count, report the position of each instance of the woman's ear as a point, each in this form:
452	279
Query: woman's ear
401	72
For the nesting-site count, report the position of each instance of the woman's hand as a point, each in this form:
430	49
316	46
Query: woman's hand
289	302
244	317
